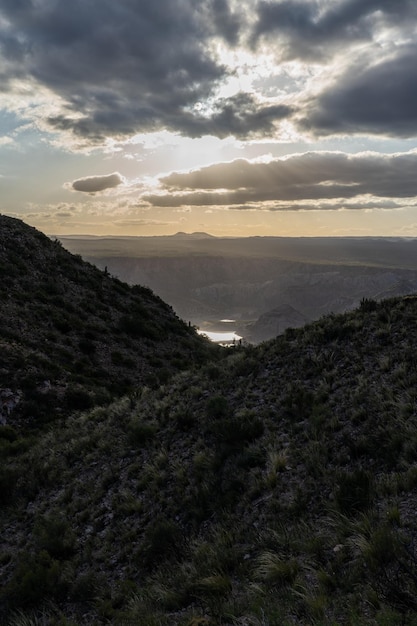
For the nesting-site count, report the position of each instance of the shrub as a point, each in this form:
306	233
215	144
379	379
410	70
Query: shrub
78	399
117	358
184	418
354	492
135	326
299	402
213	372
162	539
36	578
246	366
84	587
213	586
243	426
217	407
368	305
141	432
8	481
383	547
61	323
8	433
54	535
87	346
272	569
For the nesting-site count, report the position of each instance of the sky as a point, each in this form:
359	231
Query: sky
232	117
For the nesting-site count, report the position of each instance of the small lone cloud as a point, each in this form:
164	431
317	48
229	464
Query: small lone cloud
94	184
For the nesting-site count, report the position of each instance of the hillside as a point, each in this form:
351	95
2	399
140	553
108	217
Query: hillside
274	487
72	336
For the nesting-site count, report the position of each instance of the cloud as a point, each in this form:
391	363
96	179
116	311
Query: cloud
4	141
315	176
224	21
381	99
106	71
369	49
241	115
313	28
121	67
93	184
141	222
361	203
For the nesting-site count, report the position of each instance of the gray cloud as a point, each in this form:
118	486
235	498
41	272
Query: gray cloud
310	176
225	22
381	99
337	205
321	205
141	222
93	184
240	115
131	66
367	97
311	29
127	66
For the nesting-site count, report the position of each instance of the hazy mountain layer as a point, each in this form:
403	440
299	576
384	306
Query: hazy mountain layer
208	279
379	251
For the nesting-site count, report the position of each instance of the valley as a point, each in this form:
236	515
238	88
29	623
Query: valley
266	284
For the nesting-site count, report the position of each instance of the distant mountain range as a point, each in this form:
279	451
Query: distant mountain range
206	279
178	235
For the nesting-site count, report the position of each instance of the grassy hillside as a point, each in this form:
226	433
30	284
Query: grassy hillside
274	487
72	336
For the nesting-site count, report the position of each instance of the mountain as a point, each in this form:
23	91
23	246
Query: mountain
71	336
274	323
195	235
271	485
208	279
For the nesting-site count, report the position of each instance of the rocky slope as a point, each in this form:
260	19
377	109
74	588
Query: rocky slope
274	487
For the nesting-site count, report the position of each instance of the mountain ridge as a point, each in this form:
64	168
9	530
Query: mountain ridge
70	332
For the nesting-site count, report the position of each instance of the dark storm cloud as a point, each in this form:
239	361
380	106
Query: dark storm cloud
240	115
131	66
92	184
226	23
126	66
306	29
381	99
309	176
